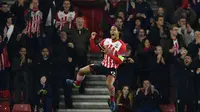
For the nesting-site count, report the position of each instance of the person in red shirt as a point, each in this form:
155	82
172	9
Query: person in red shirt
113	49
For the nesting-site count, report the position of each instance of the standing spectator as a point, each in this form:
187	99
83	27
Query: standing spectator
80	38
44	96
138	39
185	75
124	100
20	68
159	32
66	16
33	17
62	55
159	75
48	9
143	8
144	53
185	31
194	46
4	65
147	98
4	13
18	9
11	32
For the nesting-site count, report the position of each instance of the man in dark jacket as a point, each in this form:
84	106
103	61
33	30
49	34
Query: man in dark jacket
80	37
62	55
185	75
194	46
4	13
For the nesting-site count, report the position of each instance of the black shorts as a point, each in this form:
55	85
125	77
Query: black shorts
101	70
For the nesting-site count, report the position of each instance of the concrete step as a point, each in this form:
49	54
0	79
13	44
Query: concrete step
96	78
87	105
88	98
95	83
89	91
84	110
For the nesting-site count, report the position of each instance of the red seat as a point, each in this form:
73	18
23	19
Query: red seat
5	95
4	107
168	108
21	108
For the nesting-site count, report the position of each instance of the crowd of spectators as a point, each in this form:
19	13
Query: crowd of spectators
42	43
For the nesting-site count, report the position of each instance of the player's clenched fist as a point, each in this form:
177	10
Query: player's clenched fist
93	35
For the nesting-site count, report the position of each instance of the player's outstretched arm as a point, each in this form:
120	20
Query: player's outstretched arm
94	48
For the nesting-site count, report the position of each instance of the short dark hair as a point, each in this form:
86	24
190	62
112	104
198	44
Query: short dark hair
157	17
172	26
118	17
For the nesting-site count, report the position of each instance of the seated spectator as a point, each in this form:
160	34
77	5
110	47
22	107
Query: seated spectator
20	67
185	31
159	75
4	65
124	100
147	98
43	96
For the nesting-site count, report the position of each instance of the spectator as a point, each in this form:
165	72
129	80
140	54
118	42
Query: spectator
159	75
43	96
11	32
159	32
44	66
4	65
143	8
197	79
185	31
4	13
20	67
80	38
65	17
62	56
194	46
33	17
18	9
147	98
128	65
124	100
185	74
144	54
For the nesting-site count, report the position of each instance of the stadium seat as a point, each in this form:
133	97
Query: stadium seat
4	107
21	108
168	108
4	95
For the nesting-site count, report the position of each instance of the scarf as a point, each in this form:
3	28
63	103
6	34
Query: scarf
4	61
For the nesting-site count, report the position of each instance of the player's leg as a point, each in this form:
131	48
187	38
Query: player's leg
109	83
80	76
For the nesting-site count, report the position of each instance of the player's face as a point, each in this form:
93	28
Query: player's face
45	52
66	5
114	33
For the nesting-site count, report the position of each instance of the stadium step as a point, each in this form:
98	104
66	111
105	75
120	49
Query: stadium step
84	110
90	91
88	98
87	105
96	78
95	83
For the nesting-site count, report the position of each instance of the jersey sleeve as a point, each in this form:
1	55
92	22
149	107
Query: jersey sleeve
101	44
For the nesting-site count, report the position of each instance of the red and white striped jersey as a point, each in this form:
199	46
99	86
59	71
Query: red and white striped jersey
118	48
63	18
33	25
